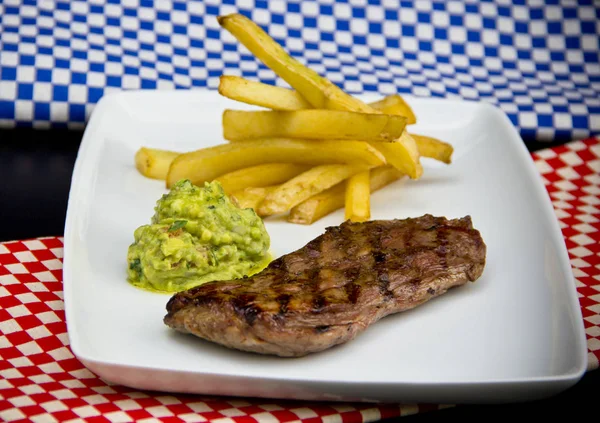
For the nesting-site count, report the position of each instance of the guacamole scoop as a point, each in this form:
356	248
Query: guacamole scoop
196	235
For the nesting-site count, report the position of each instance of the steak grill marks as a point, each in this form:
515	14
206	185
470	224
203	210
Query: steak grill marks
333	288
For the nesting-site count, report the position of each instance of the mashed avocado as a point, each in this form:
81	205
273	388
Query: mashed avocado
196	235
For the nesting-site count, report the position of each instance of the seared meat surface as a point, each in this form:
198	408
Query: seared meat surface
334	287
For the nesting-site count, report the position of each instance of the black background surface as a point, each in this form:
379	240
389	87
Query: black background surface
35	176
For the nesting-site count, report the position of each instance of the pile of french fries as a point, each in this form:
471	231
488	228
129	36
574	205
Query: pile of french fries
314	150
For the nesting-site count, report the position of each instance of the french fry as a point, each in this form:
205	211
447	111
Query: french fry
309	183
251	197
434	148
395	105
259	94
154	163
319	205
427	146
358	198
332	199
318	91
402	159
280	98
261	175
209	163
318	124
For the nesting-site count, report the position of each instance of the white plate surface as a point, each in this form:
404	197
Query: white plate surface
516	334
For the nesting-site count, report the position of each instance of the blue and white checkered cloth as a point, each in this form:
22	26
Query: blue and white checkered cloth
538	60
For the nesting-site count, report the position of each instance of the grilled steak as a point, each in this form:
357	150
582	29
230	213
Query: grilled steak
334	287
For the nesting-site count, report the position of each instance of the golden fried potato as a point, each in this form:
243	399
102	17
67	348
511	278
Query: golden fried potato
280	98
154	163
209	163
251	197
395	105
358	198
318	91
261	175
259	94
434	148
332	199
317	124
309	183
405	159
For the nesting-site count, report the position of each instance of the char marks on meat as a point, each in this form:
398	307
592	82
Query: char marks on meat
333	288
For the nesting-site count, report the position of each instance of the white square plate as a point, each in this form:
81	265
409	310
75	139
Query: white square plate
515	334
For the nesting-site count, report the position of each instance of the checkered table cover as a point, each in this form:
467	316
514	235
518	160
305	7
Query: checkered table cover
41	380
538	59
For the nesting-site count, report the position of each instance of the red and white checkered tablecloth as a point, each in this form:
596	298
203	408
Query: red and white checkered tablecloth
41	380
